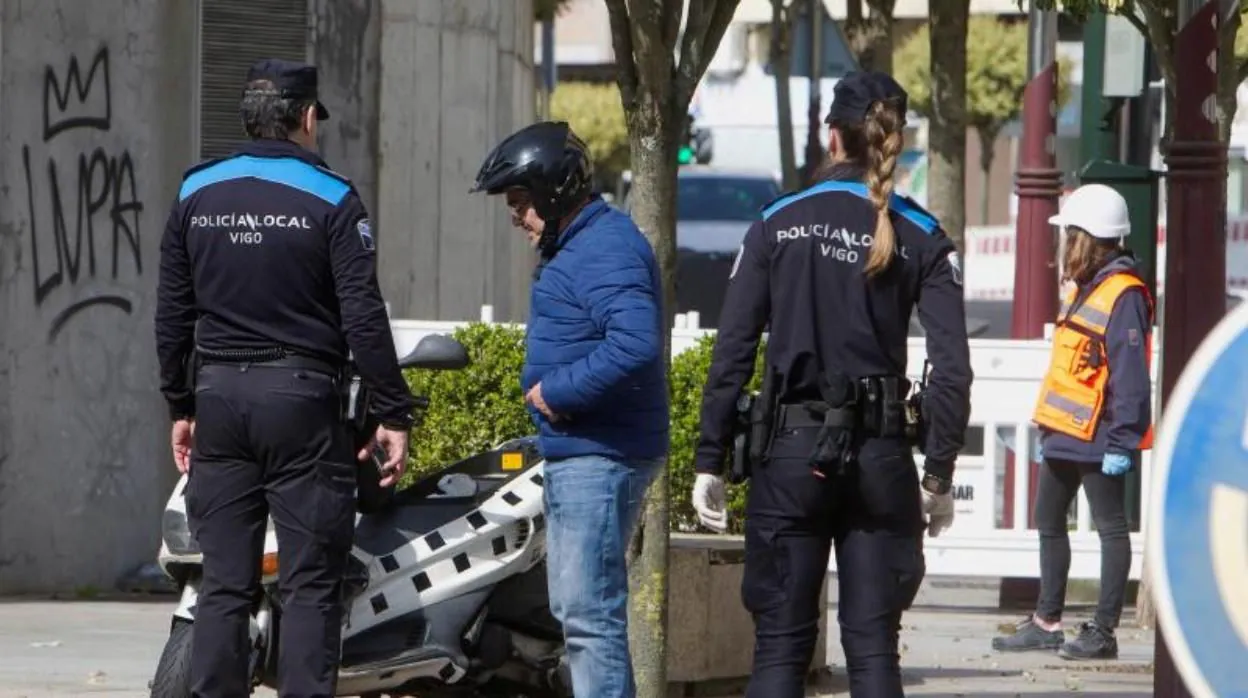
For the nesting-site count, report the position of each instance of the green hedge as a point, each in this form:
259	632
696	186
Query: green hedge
474	409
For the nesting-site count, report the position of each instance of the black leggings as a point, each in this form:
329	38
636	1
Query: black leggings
1059	483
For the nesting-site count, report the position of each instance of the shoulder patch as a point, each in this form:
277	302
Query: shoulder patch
955	266
366	235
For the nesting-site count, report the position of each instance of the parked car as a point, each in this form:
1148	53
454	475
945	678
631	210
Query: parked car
714	208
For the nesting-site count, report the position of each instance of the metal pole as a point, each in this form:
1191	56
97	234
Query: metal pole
1195	229
1094	141
1038	185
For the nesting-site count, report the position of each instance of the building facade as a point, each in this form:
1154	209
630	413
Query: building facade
102	107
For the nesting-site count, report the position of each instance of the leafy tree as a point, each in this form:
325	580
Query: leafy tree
996	75
655	89
594	112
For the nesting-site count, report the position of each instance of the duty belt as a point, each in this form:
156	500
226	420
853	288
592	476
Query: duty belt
871	397
268	358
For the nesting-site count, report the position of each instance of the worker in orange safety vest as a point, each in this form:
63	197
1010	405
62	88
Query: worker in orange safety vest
1094	413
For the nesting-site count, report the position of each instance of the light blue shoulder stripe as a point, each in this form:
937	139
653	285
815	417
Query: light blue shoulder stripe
902	205
290	172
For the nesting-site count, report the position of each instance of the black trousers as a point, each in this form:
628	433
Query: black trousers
872	513
269	439
1107	496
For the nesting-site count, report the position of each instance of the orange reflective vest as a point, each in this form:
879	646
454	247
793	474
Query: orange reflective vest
1072	398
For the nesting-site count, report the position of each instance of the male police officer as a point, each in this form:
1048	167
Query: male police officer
836	270
268	272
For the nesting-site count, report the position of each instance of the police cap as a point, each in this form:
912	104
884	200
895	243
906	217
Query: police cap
856	92
293	79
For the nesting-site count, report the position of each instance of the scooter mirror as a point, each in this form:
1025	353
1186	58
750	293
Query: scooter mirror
437	352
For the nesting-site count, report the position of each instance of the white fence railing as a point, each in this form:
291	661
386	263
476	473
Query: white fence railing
992	535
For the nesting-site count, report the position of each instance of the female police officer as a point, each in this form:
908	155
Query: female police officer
836	270
1095	415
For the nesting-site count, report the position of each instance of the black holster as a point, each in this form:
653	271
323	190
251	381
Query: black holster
840	410
739	469
915	416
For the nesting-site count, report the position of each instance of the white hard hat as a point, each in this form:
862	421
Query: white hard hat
1097	209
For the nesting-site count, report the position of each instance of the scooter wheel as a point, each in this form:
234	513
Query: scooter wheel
173	671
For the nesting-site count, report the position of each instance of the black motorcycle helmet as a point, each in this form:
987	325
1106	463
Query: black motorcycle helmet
549	161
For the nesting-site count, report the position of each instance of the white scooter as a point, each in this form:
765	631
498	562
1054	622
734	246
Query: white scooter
446	584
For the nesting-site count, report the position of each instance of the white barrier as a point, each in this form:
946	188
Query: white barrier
989	271
990	536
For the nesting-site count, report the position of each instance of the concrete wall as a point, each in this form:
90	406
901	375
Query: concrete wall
456	77
95	113
345	38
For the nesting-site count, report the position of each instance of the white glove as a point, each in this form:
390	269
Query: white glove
709	501
938	508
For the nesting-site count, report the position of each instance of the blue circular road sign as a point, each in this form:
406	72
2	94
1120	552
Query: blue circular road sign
1198	515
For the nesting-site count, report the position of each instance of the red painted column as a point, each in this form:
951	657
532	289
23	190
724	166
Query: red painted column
1038	185
1195	286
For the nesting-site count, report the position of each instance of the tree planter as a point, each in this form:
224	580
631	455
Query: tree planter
710	635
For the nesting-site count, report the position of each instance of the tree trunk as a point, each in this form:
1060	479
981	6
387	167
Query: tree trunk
653	208
655	93
780	54
987	152
946	175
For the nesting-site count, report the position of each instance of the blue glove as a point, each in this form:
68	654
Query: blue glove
1039	453
1115	463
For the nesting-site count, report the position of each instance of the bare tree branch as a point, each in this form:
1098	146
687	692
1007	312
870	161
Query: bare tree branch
672	13
622	42
713	19
1135	20
653	58
691	47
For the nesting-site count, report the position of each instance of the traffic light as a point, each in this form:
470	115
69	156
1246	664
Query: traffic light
685	155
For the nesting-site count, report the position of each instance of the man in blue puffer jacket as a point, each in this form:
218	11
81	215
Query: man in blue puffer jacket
595	383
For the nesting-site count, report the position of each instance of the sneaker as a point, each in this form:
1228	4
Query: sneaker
1094	642
1028	636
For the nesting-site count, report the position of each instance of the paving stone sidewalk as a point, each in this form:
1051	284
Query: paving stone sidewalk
85	648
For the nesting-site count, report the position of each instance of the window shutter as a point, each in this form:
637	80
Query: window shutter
234	34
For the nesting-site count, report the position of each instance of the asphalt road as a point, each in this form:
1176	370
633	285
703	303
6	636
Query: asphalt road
109	648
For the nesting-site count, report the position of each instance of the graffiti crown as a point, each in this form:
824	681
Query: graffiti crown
73	103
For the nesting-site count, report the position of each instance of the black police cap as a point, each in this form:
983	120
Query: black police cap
856	92
293	79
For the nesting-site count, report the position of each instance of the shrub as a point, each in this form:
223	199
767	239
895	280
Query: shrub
472	409
687	377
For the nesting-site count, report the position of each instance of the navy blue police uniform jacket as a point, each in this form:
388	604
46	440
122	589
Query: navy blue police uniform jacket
800	270
268	248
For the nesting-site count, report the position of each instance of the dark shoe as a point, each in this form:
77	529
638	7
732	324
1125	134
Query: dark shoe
1027	637
1094	642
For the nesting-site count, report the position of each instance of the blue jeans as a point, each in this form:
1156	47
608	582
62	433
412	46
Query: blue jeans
592	505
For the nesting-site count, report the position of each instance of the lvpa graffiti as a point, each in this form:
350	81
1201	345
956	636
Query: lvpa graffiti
96	181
